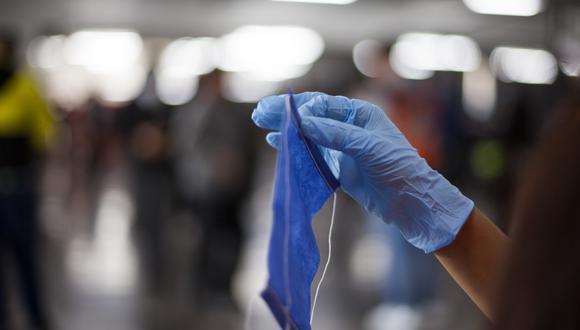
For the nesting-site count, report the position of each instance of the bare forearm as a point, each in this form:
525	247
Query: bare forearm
475	259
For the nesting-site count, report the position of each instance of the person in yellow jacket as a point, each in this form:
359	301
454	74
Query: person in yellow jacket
26	127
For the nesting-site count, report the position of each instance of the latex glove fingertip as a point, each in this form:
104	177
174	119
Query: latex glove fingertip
273	139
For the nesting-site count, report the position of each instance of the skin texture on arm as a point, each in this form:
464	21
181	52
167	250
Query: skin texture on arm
475	259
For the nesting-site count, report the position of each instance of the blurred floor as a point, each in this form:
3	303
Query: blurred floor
97	285
94	278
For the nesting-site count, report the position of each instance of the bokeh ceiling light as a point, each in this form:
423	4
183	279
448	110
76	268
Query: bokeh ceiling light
479	93
524	65
570	68
505	7
173	90
68	86
46	52
104	51
113	58
123	86
239	88
327	2
435	52
365	56
402	69
186	57
271	53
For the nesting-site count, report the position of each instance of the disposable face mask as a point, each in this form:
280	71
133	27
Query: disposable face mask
302	186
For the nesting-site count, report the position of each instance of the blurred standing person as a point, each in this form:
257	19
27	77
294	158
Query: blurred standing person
25	130
409	285
145	123
214	159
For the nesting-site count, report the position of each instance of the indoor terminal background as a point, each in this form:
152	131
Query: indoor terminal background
152	193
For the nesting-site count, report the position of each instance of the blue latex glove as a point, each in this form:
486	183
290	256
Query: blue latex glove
376	165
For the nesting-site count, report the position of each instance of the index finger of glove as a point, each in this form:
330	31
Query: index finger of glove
340	108
269	110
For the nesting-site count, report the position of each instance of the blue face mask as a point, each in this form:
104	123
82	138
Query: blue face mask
303	184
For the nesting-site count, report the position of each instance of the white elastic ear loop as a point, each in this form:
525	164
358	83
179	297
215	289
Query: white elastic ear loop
327	260
249	312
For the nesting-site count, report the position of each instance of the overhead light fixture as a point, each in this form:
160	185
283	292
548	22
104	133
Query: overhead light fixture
402	68
239	88
365	56
505	7
45	52
113	58
175	90
68	86
417	55
524	65
326	2
120	87
479	93
187	57
108	63
571	68
270	53
180	65
104	51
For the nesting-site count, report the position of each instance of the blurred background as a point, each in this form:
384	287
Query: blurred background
135	193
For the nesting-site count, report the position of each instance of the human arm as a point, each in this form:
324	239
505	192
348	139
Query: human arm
379	168
474	259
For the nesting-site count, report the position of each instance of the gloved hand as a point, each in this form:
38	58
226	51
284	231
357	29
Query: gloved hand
376	165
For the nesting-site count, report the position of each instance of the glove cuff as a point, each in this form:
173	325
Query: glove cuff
449	227
437	213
